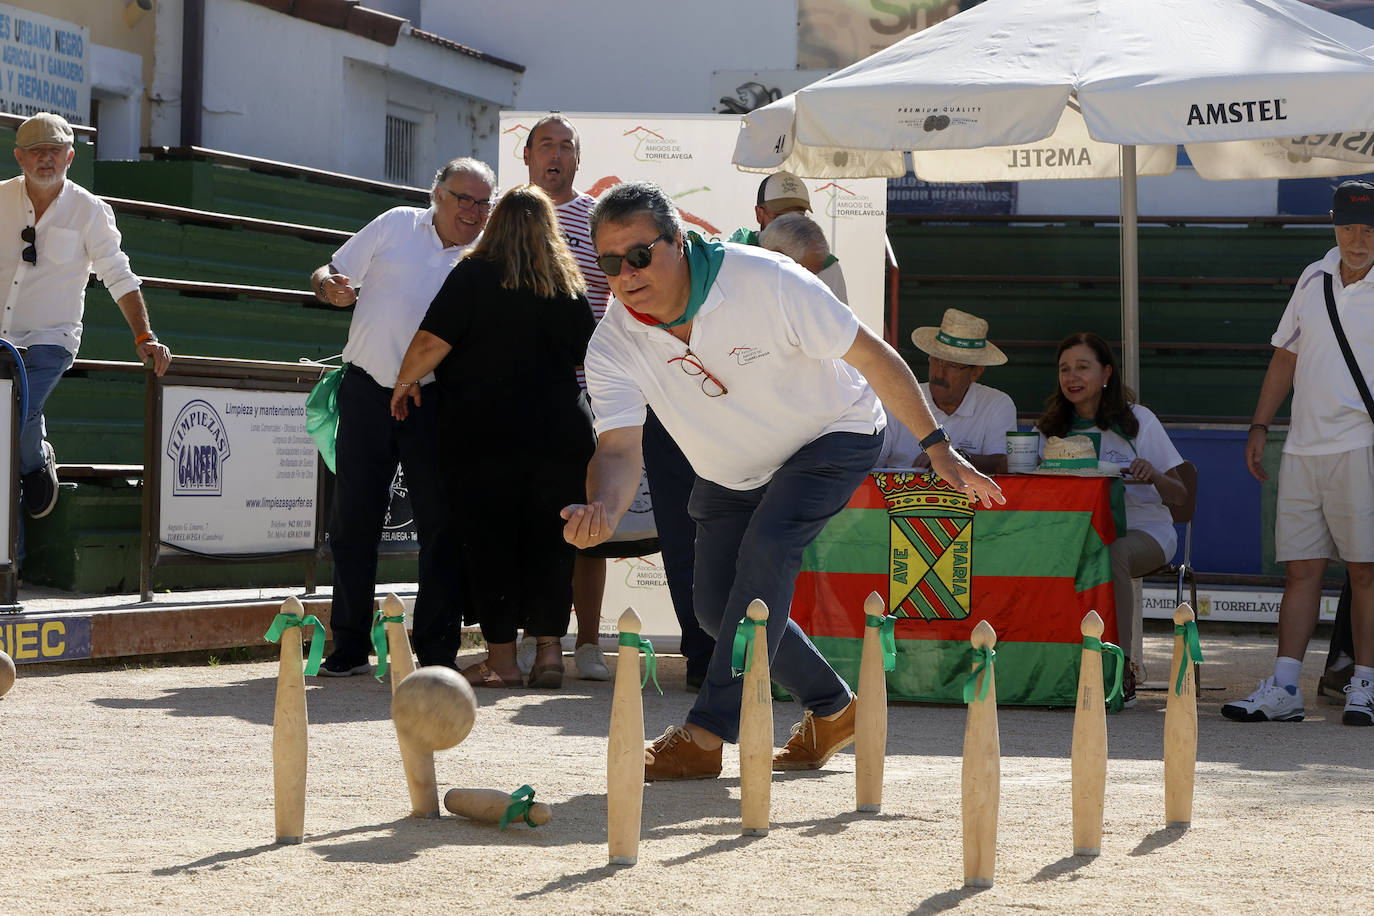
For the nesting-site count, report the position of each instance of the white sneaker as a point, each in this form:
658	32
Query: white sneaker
591	663
1359	703
1269	703
524	655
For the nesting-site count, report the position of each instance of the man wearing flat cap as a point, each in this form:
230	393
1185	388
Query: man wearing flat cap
976	417
60	234
781	193
1326	475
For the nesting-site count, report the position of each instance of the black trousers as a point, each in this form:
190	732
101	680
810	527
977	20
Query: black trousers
670	484
369	445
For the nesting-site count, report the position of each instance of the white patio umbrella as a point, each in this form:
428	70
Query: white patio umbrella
1053	88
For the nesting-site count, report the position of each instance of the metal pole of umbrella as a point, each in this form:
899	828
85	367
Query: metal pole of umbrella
1130	274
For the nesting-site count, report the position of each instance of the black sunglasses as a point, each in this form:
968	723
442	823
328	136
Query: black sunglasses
30	234
468	202
639	257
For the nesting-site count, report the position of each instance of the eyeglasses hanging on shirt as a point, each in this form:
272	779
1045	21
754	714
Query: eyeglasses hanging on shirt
30	235
711	386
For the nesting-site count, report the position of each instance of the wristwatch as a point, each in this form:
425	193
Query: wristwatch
935	438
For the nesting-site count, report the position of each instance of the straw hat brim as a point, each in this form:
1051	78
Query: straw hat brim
987	355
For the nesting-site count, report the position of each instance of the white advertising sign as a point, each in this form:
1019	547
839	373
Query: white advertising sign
641	583
1213	603
45	65
237	471
689	157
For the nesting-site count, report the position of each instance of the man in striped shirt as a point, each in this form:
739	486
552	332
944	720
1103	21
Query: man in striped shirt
553	151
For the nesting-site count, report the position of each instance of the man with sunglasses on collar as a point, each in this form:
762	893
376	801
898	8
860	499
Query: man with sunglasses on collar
771	387
59	234
392	268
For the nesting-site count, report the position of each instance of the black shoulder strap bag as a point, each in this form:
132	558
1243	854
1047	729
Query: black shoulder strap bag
1345	347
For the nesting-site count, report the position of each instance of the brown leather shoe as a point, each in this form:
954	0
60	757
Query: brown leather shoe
814	741
674	755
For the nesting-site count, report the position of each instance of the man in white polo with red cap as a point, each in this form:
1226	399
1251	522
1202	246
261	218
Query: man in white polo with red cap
976	417
780	193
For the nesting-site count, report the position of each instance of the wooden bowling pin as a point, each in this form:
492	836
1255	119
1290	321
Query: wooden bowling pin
1089	763
625	753
489	806
1180	732
870	718
432	709
982	773
289	732
756	730
399	657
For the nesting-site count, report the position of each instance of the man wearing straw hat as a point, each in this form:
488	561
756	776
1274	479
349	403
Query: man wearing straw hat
976	417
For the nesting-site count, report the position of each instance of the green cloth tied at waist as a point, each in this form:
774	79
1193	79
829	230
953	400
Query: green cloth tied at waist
282	622
742	654
887	637
972	689
1096	645
635	641
522	799
1192	650
379	641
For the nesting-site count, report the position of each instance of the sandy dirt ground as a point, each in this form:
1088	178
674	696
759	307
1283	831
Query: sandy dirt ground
140	789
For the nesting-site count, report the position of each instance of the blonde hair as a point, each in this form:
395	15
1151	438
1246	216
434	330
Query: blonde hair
523	242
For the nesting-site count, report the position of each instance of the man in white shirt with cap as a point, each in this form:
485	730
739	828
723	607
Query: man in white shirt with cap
779	194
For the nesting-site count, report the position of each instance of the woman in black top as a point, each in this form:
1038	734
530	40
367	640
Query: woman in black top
504	337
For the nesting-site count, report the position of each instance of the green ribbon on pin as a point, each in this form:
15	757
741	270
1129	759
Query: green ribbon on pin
283	622
1094	644
887	636
379	643
742	654
635	641
521	801
1192	651
972	690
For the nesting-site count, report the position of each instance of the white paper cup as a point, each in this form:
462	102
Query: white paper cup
1022	451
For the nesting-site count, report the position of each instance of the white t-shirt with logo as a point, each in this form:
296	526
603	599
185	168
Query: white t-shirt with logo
1145	509
978	426
773	334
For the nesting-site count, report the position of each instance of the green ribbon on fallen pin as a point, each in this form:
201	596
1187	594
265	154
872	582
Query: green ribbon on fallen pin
742	653
1192	650
635	641
887	637
521	801
1096	645
972	689
282	622
379	643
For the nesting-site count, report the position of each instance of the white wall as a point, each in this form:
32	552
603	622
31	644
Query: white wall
283	88
622	55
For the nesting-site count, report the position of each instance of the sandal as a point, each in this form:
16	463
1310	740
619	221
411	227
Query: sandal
548	676
482	675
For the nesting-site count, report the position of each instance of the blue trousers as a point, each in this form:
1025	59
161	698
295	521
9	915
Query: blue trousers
43	366
670	483
749	545
369	445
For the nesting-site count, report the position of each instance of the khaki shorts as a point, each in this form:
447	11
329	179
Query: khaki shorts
1326	507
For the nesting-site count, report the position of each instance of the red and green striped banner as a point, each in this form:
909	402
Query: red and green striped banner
1032	568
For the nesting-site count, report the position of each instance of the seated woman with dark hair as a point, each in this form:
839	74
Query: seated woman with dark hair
1091	398
504	337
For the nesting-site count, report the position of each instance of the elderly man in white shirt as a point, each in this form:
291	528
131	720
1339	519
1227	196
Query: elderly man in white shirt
65	233
392	268
977	417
